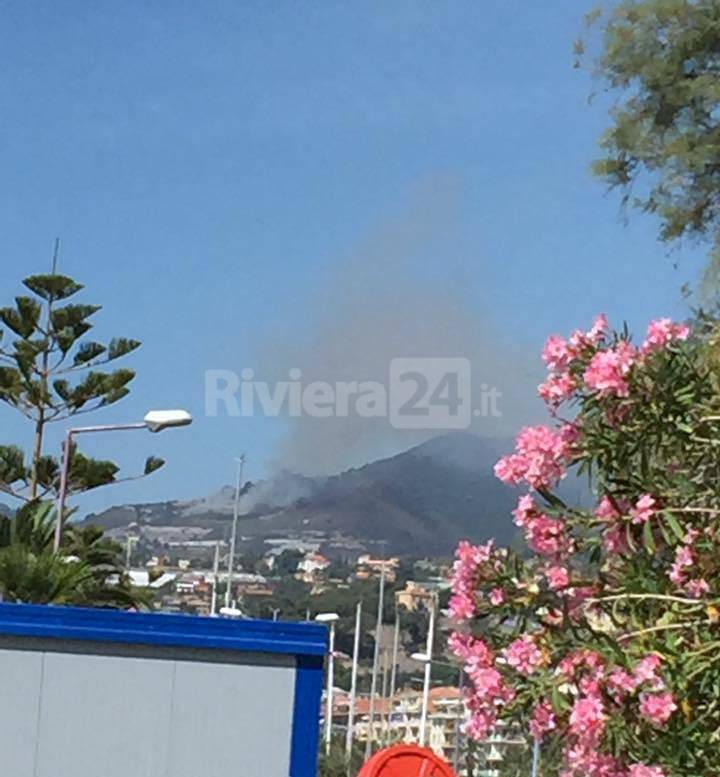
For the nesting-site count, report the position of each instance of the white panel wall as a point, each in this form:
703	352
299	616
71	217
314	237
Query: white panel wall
134	712
20	681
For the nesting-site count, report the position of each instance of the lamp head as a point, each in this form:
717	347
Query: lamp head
158	420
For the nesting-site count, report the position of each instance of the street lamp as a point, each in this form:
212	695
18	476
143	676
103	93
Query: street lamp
233	534
426	659
231	612
330	618
154	421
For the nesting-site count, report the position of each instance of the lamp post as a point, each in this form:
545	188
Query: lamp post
154	421
426	658
376	663
233	535
353	685
331	618
216	568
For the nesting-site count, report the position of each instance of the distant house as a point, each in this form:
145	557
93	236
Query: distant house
414	596
311	567
368	568
141	578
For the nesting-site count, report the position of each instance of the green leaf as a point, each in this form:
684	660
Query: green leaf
72	315
121	346
675	526
12	465
52	287
87	352
23	319
648	538
152	464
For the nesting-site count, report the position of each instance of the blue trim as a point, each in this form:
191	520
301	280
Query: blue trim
306	720
134	628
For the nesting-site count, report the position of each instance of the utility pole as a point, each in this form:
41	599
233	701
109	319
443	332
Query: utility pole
376	663
216	569
353	686
396	644
129	540
428	670
233	534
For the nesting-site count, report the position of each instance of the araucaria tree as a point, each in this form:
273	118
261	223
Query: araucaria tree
604	639
50	372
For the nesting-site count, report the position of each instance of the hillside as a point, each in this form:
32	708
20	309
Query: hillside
421	501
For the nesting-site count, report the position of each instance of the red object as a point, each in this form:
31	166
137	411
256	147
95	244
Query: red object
406	761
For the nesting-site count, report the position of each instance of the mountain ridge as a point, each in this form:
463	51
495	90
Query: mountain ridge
419	502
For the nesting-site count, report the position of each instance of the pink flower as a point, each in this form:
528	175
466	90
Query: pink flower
488	682
657	707
587	718
556	353
696	588
557	577
684	559
556	389
475	652
644	509
524	510
546	536
607	511
523	655
662	332
497	597
646	670
511	469
640	770
608	370
464	583
599	329
538	458
480	724
621	682
543	720
461	607
615	539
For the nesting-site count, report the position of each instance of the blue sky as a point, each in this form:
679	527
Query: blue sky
216	169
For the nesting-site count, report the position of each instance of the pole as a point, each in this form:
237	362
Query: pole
62	493
376	662
383	696
353	686
458	719
65	469
128	551
396	643
216	569
426	679
536	758
233	535
329	694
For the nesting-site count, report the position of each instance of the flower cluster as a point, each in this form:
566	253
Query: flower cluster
539	458
684	564
561	648
663	332
608	371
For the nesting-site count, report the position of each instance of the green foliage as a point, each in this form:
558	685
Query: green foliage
87	572
333	764
661	57
50	374
628	594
